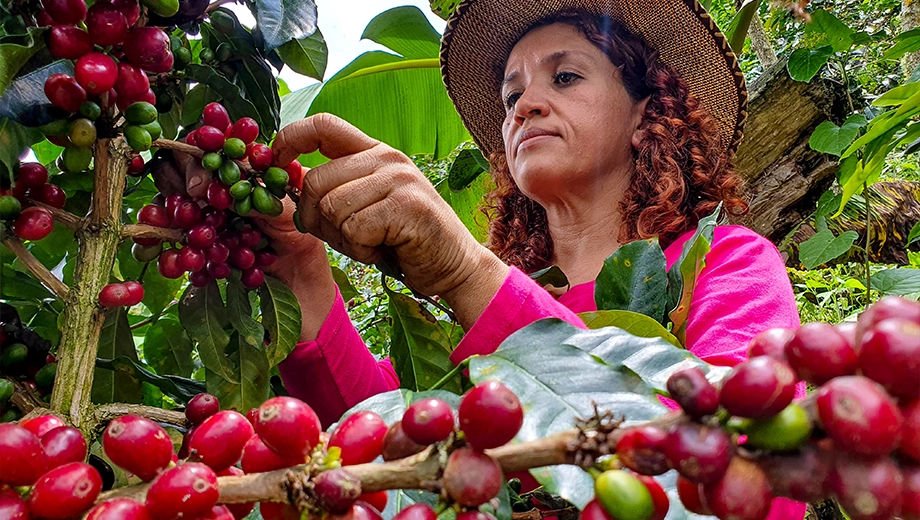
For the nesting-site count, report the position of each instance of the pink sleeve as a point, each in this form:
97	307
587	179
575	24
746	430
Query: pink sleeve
519	302
336	370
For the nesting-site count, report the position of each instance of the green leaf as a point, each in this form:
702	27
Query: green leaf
24	99
634	278
907	42
14	55
281	318
46	152
391	406
886	122
116	340
827	29
551	275
900	281
466	204
284	20
307	56
897	95
295	105
914	234
468	165
805	63
833	139
557	383
689	268
202	313
738	27
231	95
631	322
443	8
677	297
240	313
195	101
824	246
259	85
406	31
168	349
21	286
15	140
248	385
345	287
179	389
870	166
419	346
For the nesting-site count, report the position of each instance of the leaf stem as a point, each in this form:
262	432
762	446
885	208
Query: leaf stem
452	374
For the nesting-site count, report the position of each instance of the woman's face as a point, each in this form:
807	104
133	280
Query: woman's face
569	121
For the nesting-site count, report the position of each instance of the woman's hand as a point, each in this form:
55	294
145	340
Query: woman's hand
370	198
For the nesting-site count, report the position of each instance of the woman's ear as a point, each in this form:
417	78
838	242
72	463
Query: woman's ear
639	118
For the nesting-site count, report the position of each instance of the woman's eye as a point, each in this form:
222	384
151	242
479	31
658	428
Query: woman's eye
565	77
511	99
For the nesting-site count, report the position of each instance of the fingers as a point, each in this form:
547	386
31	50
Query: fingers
197	178
332	136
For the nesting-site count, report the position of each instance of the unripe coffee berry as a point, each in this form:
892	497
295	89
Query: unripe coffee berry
693	392
428	421
623	496
490	415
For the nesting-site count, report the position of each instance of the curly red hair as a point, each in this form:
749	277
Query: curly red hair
681	172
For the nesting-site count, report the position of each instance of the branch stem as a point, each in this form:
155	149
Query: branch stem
41	272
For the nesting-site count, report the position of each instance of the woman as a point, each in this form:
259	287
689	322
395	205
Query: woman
604	121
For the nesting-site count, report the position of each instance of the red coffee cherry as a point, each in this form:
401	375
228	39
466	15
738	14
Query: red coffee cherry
659	497
219	195
65	491
201	407
859	415
698	452
886	308
360	511
185	490
910	497
471	477
214	217
641	449
129	8
595	511
31	175
242	257
135	292
200	278
258	458
191	259
771	342
43	424
218	271
743	493
33	223
490	415
295	174
96	72
217	252
867	488
64	92
802	475
428	421
49	194
398	445
187	214
245	129
360	437
12	506
219	440
693	392
153	215
63	445
910	432
336	490
132	82
890	355
239	511
265	258
215	115
70	12
114	295
278	511
148	47
168	264
288	426
22	459
250	236
260	156
209	139
137	445
252	278
758	388
691	496
474	515
378	499
106	24
417	511
818	352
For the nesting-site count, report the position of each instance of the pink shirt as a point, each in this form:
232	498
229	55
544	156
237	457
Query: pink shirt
742	290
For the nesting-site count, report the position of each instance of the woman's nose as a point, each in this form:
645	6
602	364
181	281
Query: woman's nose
531	103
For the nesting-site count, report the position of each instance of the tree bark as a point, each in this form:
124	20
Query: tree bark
760	44
910	19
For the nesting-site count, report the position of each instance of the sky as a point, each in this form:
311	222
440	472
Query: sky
342	22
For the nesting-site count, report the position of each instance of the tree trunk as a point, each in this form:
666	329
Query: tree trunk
910	19
760	44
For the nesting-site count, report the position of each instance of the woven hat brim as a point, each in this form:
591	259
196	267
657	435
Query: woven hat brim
481	33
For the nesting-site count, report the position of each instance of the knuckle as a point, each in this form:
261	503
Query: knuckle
310	186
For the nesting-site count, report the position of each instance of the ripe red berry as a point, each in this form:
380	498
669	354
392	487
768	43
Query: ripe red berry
910	431
136	166
183	491
398	445
215	115
360	437
641	449
217	252
214	217
22	459
131	10
890	355
869	489
700	453
209	139
106	24
595	511
68	12
153	215
471	477
200	278
801	475
43	424
910	497
187	214
363	511
818	352
64	92
337	490
201	407
758	388
168	264
31	175
288	426
419	511
378	499
219	195
49	194
137	445
33	223
242	258
771	342
691	496
743	493
859	415
114	295
428	421
659	497
250	236
135	292
12	506
65	491
68	42
258	458
265	258
148	47
278	511
220	439
886	308
295	174
475	514
218	271
260	156
239	511
693	392
132	83
62	445
252	278
191	259
245	129
96	72
119	509
490	415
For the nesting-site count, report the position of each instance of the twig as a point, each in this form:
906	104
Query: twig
146	231
176	146
65	217
59	288
107	412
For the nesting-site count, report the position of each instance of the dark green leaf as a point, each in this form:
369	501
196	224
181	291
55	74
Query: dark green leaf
907	42
180	389
168	349
466	204
284	20
631	322
552	275
634	278
824	246
240	313
295	105
914	234
202	313
678	298
259	86
406	31
281	317
900	281
833	139
116	340
805	63
444	8
738	27
21	286
195	101
237	106
15	140
465	169
24	100
419	347
826	29
345	287
306	56
248	384
14	55
240	40
689	269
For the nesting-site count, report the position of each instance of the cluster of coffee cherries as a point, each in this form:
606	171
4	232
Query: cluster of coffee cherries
30	181
24	358
226	145
856	438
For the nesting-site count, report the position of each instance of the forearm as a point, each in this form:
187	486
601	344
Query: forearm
312	283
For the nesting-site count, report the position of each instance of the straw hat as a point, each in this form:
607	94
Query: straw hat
481	33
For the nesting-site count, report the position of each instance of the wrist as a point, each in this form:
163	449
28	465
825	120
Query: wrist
484	277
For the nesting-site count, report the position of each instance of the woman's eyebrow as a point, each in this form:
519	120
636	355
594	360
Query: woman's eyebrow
551	58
